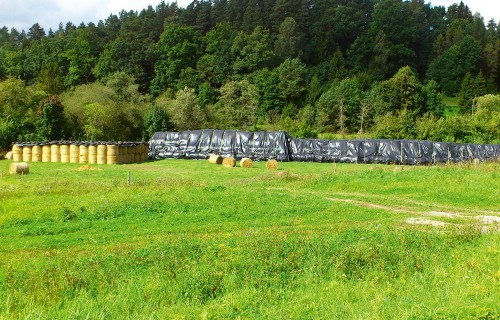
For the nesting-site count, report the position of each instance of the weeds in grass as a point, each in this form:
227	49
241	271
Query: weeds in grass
189	241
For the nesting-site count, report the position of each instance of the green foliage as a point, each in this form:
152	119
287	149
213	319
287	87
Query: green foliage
287	43
112	112
49	79
291	74
451	67
183	111
238	105
156	120
9	132
402	53
252	51
51	124
471	88
177	49
339	108
399	124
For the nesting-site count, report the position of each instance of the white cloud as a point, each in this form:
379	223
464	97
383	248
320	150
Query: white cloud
22	14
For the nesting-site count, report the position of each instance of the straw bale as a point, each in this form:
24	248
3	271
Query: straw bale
55	153
215	159
27	153
46	153
229	162
145	150
8	156
122	156
246	163
101	154
84	154
74	153
112	154
36	154
19	168
64	149
17	153
272	164
92	154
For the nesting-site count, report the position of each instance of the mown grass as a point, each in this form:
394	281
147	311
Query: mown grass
451	106
189	240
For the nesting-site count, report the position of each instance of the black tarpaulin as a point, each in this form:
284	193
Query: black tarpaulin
389	151
262	146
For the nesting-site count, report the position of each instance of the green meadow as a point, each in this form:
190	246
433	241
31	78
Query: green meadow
184	239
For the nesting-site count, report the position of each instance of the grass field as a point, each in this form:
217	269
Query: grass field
190	240
451	106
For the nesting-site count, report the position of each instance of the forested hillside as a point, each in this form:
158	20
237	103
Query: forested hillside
374	68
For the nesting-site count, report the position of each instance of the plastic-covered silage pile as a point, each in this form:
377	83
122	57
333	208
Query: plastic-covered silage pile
279	145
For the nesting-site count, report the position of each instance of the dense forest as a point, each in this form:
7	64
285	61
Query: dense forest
376	68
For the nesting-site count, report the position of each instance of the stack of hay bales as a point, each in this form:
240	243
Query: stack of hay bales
36	153
81	152
101	154
55	153
65	153
112	154
27	153
74	153
17	153
92	150
46	152
84	153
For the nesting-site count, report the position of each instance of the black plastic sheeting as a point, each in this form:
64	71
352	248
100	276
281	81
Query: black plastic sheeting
199	144
262	146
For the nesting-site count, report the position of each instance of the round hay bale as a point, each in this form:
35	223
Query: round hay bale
122	154
272	164
112	154
65	152
19	168
8	156
101	154
215	159
92	154
145	150
55	153
74	153
131	153
17	153
229	162
27	153
46	153
138	153
36	154
84	154
246	163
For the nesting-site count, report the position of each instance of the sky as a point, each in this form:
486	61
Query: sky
22	14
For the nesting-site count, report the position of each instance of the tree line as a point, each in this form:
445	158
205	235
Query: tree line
312	67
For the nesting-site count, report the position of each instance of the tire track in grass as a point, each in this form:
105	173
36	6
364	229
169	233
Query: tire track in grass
436	210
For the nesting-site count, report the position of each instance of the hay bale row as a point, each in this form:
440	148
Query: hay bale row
116	153
230	162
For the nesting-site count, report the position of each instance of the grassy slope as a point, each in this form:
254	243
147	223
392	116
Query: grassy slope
451	106
191	240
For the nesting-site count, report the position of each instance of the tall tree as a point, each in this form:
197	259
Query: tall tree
179	48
